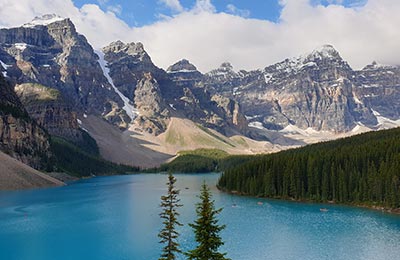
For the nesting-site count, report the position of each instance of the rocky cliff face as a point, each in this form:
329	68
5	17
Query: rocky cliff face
153	113
46	107
378	87
20	136
50	52
316	91
202	105
159	94
127	64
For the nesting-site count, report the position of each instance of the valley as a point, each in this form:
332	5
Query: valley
199	129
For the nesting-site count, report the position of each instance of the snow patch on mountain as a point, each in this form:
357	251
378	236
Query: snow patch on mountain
257	125
44	20
20	46
182	71
385	123
360	128
130	110
5	66
295	130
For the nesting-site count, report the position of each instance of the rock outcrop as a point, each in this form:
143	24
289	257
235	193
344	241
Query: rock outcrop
46	107
378	87
201	105
153	113
20	136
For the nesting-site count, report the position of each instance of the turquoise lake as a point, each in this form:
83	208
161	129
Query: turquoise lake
117	218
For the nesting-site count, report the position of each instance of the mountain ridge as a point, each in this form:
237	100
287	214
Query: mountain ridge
312	97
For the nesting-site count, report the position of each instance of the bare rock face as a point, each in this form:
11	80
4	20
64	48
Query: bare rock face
184	71
46	106
158	94
128	63
232	113
200	105
20	136
316	90
153	113
50	52
378	86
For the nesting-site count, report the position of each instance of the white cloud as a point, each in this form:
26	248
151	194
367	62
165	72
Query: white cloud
237	11
208	38
116	9
174	5
203	6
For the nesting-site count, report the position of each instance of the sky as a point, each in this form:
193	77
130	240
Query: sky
251	34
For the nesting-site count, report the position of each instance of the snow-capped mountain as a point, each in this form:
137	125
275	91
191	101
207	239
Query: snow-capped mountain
306	95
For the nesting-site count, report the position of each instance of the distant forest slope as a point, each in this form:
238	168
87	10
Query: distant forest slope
202	161
363	169
82	160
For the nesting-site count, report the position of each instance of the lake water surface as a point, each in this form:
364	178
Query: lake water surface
117	218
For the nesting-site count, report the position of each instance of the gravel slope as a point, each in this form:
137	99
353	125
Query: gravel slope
15	175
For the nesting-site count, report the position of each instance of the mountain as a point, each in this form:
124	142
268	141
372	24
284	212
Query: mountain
378	86
210	109
316	90
138	112
158	95
50	52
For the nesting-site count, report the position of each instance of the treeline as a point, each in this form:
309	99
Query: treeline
202	161
83	160
363	169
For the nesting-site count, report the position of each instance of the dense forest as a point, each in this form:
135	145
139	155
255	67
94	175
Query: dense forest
83	159
363	169
202	161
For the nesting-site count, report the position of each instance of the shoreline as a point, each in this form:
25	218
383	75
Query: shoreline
382	209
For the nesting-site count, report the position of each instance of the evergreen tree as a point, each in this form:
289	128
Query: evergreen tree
168	235
361	170
207	230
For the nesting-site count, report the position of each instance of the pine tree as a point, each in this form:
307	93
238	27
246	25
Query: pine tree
207	230
168	235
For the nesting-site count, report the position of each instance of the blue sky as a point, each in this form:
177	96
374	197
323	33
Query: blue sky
146	12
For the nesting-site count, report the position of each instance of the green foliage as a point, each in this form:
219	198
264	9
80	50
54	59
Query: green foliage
207	229
211	153
202	160
168	235
72	160
36	93
88	144
363	169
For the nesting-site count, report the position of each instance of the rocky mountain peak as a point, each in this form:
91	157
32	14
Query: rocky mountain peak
322	57
225	72
132	48
226	66
376	66
325	51
44	20
182	66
